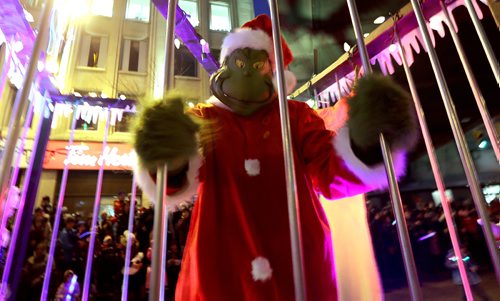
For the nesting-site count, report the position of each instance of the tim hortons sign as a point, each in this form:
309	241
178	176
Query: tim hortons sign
88	156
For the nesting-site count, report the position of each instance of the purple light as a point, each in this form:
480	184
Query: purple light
71	288
427	236
188	35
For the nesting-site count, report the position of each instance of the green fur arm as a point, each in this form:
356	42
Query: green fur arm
164	133
380	105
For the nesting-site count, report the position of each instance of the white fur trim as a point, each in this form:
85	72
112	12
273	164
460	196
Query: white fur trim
261	269
290	82
373	177
148	186
216	102
252	167
247	38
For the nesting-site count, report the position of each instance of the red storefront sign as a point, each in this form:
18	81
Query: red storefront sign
88	156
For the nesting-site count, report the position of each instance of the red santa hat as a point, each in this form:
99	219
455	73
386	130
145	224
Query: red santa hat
257	34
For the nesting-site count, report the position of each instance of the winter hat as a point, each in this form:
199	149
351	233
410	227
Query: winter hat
257	34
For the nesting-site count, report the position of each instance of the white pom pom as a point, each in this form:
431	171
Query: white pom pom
252	167
261	269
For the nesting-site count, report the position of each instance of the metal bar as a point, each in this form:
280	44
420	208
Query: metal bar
21	102
17	164
57	217
36	167
11	253
159	247
478	96
291	183
95	215
131	216
404	240
356	24
160	227
463	150
435	170
490	54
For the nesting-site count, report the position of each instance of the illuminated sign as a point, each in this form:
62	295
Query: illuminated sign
89	156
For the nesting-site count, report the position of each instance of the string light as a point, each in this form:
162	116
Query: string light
347	47
379	20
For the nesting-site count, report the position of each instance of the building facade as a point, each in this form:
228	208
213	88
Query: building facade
112	49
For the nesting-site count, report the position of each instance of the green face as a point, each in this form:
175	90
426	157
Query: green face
244	81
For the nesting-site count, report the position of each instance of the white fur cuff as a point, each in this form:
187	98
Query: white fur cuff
185	195
373	177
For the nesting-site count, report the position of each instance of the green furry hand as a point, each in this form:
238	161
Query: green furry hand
164	133
380	106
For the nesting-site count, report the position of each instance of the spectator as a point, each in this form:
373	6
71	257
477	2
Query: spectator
69	290
68	241
33	273
472	276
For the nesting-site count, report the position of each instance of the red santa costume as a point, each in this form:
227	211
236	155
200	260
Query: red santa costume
238	247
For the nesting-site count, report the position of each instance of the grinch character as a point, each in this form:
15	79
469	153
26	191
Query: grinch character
229	152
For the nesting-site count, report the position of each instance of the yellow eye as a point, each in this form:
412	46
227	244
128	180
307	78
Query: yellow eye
240	63
258	65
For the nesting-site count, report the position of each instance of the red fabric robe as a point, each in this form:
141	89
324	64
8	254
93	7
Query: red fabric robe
241	210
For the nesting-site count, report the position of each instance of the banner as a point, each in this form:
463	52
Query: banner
88	156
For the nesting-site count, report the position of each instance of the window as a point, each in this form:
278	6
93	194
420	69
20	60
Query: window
138	10
34	3
93	51
185	63
134	55
102	8
83	125
191	8
215	53
123	126
220	16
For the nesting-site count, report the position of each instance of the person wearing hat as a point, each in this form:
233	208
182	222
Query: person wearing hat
229	152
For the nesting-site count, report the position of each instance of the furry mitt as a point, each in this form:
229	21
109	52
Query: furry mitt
380	105
164	133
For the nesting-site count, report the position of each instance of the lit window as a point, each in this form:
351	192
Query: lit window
134	55
102	8
185	63
138	10
123	126
220	16
93	51
191	9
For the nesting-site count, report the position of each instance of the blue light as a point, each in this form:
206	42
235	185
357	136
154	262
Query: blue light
483	144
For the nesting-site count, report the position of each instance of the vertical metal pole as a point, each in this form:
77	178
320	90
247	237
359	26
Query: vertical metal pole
17	224
463	150
131	216
57	218
35	169
484	40
404	240
160	227
21	102
17	165
95	215
436	171
478	96
292	197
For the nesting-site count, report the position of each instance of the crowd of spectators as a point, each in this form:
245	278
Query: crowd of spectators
429	237
109	253
426	224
